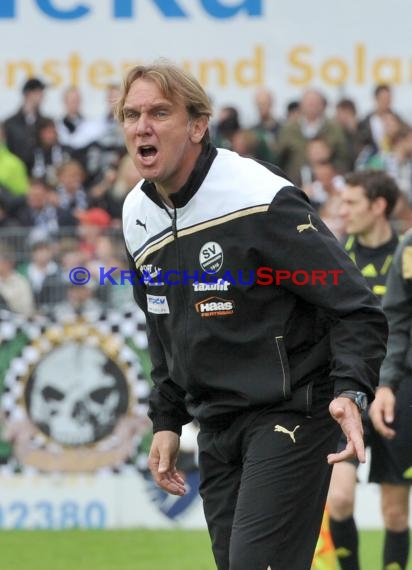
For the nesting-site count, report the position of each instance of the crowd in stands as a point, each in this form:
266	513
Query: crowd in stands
63	180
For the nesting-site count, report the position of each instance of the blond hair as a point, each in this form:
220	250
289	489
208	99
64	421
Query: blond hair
174	83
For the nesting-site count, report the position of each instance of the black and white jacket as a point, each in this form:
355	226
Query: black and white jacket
218	348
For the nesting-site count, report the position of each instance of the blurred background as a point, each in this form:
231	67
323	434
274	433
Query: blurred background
319	90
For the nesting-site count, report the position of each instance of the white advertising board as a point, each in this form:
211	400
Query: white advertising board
93	502
232	46
120	501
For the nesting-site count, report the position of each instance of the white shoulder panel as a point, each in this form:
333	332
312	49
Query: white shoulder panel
234	187
233	184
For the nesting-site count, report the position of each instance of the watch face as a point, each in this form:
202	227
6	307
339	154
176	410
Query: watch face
360	398
362	401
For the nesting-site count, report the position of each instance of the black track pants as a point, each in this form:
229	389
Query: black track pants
264	482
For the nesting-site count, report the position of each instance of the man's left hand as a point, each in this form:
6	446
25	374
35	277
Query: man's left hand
346	413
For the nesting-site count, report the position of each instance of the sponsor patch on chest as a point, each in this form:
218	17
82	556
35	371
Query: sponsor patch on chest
157	304
215	307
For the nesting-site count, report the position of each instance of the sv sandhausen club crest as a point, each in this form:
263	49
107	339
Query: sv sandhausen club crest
211	257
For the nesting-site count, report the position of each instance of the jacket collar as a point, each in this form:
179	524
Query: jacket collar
191	186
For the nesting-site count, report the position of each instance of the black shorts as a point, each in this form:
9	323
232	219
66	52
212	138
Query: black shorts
264	481
391	460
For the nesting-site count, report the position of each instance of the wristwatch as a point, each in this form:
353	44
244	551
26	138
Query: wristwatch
360	398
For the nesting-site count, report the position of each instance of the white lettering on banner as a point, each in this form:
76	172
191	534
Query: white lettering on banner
169	9
157	304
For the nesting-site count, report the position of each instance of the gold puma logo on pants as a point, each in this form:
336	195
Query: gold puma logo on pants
285	430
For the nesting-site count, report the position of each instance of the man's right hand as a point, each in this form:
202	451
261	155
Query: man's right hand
382	411
162	462
346	413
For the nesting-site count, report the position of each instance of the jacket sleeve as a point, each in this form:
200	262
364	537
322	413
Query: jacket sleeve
397	305
296	239
167	400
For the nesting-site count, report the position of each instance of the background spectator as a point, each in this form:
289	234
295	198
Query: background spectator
312	122
268	126
251	143
49	153
228	123
78	301
292	111
80	134
44	275
110	192
111	141
325	188
37	210
71	194
13	172
372	131
15	290
21	128
346	116
92	224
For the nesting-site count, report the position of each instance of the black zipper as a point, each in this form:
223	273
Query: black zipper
174	223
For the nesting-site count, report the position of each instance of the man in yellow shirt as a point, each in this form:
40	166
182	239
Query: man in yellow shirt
13	173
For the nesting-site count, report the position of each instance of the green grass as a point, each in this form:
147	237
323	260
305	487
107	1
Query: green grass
128	550
371	545
105	550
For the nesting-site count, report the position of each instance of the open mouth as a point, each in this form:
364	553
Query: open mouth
147	151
